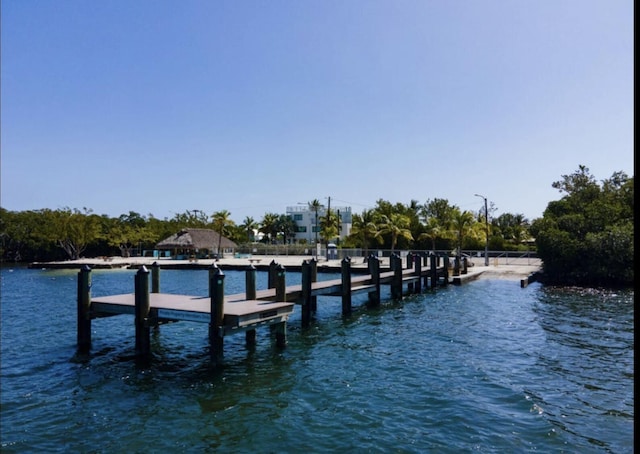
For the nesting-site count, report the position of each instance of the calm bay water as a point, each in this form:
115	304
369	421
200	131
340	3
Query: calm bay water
486	367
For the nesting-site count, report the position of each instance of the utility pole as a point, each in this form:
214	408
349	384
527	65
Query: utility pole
486	221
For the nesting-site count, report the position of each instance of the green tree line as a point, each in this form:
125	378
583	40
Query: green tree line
585	238
39	235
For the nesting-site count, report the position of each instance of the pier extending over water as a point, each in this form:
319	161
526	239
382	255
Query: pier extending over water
244	312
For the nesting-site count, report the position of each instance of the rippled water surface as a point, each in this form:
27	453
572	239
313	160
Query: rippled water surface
486	367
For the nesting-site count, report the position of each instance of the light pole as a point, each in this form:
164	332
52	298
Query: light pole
486	221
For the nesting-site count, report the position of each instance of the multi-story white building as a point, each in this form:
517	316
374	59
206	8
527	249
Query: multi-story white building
308	222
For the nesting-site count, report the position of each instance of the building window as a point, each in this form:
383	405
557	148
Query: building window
297	217
302	229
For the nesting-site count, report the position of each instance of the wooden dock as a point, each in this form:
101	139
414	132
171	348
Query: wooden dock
244	312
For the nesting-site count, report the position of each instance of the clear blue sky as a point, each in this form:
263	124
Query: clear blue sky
252	106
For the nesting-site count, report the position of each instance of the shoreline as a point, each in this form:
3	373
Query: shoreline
516	271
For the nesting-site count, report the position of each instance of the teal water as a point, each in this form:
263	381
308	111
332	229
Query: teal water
484	367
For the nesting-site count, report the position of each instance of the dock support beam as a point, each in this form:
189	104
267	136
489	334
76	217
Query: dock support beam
216	336
433	269
306	293
84	309
280	284
142	308
271	276
213	269
395	262
445	266
417	267
155	278
250	294
345	268
314	278
374	270
280	329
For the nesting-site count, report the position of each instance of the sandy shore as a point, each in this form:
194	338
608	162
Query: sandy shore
515	269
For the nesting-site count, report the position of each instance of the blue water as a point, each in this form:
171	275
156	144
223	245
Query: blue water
484	367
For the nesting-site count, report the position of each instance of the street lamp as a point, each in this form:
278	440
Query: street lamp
486	220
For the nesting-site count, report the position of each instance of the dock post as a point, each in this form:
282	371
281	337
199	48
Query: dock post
306	293
250	294
411	260
425	265
155	278
456	266
142	308
314	278
464	265
346	285
433	268
280	329
84	309
417	264
374	270
213	269
395	263
280	284
250	282
445	266
271	278
216	335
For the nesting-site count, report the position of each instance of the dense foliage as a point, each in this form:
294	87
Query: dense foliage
586	237
45	234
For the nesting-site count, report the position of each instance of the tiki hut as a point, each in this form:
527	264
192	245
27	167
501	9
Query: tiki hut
196	243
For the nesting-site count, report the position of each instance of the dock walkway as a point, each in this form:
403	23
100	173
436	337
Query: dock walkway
244	312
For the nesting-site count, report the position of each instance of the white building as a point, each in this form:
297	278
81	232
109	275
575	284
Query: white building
308	222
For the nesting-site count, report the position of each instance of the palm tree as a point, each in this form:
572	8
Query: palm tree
462	224
330	226
315	206
363	227
269	226
433	231
221	220
249	226
287	226
396	225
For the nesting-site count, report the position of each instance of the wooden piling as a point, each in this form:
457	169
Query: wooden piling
417	267
433	270
280	332
345	268
142	308
213	270
280	284
464	265
425	265
456	266
84	308
395	263
250	294
314	278
280	329
306	293
250	282
155	278
445	266
271	278
216	336
374	270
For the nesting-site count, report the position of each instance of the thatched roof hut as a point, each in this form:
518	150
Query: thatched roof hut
199	240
